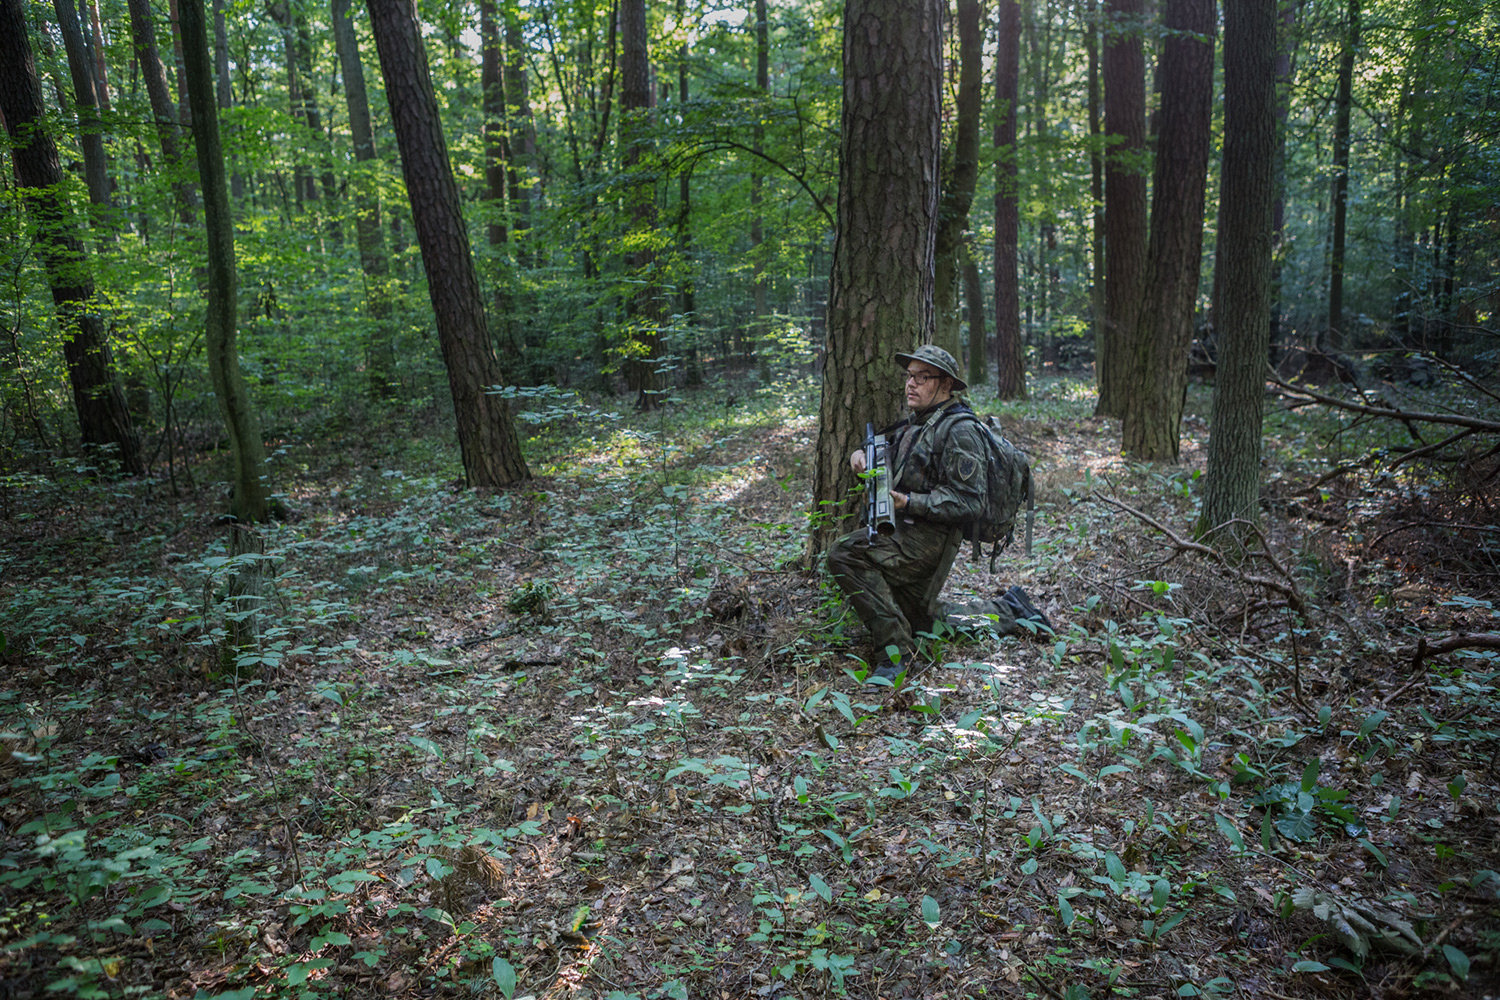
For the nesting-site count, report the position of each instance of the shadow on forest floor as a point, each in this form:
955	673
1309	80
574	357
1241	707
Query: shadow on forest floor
598	736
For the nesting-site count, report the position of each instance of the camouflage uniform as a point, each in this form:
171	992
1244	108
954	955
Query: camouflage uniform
893	581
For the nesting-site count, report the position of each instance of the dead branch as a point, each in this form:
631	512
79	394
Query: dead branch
1305	394
1287	590
1449	644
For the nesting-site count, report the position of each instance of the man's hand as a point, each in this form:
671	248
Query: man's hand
857	461
898	500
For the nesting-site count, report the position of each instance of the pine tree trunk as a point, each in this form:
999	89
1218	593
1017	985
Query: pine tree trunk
103	419
86	98
1343	101
251	495
368	233
1242	278
168	130
1124	197
1009	355
1158	347
958	188
757	179
1091	29
880	285
486	433
644	308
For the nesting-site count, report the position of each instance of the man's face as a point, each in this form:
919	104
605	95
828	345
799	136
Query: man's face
925	385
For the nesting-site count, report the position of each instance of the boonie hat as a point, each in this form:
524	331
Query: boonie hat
931	354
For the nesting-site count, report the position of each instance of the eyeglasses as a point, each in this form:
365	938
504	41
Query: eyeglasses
920	378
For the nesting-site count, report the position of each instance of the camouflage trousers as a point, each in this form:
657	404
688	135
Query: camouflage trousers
893	585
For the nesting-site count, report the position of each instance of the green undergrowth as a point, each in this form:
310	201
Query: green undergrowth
601	735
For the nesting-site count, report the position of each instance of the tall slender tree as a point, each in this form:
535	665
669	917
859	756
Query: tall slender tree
368	234
163	110
1242	278
486	433
960	180
1343	102
644	308
1125	234
86	99
251	491
880	287
103	419
1008	348
1163	331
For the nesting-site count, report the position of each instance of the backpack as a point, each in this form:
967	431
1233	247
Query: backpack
1007	484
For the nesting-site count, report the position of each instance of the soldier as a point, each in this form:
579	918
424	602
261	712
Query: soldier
938	488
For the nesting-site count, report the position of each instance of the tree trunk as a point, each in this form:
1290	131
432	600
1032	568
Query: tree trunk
644	308
958	189
486	433
978	336
225	92
370	237
1008	350
1343	101
521	135
96	47
1242	278
880	285
168	131
757	180
103	419
497	155
1096	184
1124	197
1158	348
251	496
86	98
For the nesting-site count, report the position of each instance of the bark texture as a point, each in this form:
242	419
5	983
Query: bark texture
1008	350
486	432
1342	103
880	287
251	494
85	96
1124	196
1242	279
644	310
103	419
368	234
168	131
962	176
1164	327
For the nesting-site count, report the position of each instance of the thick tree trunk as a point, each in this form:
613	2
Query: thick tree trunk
486	433
1158	348
103	419
96	49
370	237
168	131
958	188
1343	101
1242	279
86	99
1124	197
880	286
1009	356
644	308
251	493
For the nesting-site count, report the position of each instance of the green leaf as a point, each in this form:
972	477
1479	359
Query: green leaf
505	976
424	744
1297	825
1310	775
1308	965
674	990
1160	893
1374	719
1065	912
1115	867
931	916
823	889
1231	833
1458	962
346	881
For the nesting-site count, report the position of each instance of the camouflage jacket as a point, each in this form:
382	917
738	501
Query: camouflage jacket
940	464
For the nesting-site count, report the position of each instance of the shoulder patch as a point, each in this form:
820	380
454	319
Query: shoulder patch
968	465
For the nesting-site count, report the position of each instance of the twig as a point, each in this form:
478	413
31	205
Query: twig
1407	416
1294	598
1448	644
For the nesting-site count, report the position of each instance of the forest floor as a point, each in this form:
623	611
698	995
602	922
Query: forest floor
602	736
